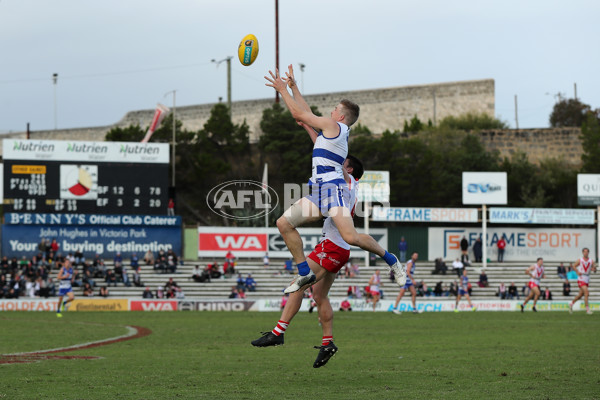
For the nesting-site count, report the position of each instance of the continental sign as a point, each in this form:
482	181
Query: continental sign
99	305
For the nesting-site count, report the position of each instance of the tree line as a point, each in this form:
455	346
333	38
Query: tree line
425	161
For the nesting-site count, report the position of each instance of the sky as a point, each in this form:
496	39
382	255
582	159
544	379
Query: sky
116	56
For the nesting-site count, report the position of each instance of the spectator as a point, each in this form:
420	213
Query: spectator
54	246
79	258
87	290
171	207
51	287
179	294
241	283
483	279
502	294
98	268
458	267
464	247
547	295
44	287
111	278
4	266
355	270
172	261
250	283
572	275
266	260
241	294
196	273
345	305
149	258
438	291
525	290
561	271
234	293
30	288
135	261
118	259
566	288
214	270
453	290
147	293
137	277
501	244
161	262
289	266
284	300
228	269
171	285
87	278
103	291
440	267
478	250
402	249
125	276
230	258
160	294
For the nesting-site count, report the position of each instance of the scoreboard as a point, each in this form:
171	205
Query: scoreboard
51	176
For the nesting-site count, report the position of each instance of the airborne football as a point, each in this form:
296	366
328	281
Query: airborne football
248	50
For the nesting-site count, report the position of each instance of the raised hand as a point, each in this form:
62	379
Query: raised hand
275	81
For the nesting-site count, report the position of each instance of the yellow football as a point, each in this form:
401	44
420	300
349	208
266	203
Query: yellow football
248	50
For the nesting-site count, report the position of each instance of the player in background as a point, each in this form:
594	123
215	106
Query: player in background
374	289
65	278
463	290
325	261
329	191
411	265
583	267
536	272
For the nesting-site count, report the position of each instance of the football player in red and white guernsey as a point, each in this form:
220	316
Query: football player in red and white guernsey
536	272
583	267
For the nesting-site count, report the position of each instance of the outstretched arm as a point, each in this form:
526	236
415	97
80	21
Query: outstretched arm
291	82
298	112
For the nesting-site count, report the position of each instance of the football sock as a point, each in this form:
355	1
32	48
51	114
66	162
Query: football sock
326	340
280	328
390	259
303	268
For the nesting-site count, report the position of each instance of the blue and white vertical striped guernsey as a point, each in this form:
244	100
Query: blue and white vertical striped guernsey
329	155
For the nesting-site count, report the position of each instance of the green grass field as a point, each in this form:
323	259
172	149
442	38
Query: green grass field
207	355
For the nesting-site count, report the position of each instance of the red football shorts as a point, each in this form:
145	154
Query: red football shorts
532	285
582	284
330	256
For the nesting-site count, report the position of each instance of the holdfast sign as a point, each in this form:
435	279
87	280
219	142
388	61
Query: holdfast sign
484	188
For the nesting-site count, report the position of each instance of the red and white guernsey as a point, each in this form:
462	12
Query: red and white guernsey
584	268
536	275
330	231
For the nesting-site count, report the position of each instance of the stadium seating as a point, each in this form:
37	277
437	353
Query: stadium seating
272	281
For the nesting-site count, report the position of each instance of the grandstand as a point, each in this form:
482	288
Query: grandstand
272	281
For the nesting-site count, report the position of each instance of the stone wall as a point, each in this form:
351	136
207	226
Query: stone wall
381	109
538	144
